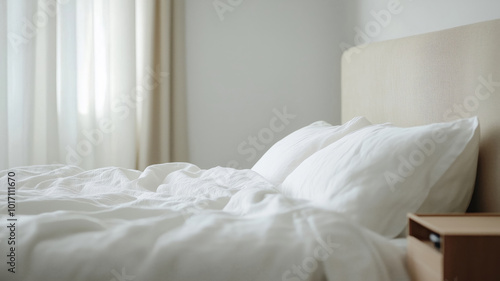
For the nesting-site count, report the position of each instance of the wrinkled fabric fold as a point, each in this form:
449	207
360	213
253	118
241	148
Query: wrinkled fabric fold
177	222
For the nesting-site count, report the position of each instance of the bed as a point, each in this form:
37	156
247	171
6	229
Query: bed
430	78
308	210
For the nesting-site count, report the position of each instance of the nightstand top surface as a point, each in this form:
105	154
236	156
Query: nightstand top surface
460	224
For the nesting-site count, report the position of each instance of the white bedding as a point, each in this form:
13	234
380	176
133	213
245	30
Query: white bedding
401	243
177	222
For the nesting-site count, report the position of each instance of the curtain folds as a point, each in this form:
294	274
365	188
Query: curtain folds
92	83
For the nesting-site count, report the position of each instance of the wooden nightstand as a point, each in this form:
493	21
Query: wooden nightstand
469	248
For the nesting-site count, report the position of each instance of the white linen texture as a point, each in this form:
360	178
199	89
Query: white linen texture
378	174
285	155
176	222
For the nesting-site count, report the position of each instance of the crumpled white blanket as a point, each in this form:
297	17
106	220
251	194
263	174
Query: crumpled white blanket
175	221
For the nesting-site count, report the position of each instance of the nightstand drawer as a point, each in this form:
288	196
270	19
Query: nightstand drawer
424	262
465	247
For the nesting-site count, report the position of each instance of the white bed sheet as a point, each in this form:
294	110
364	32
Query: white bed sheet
401	243
177	222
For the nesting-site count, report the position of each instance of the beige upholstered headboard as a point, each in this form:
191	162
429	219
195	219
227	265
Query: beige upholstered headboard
433	77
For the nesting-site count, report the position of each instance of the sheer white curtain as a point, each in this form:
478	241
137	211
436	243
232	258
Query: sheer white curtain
91	82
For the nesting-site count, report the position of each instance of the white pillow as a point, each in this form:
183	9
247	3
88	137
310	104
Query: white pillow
380	173
453	192
285	155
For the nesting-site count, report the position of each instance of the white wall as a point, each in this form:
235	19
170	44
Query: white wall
417	16
261	57
264	55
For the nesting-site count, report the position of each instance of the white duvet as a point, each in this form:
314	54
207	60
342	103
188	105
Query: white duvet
177	222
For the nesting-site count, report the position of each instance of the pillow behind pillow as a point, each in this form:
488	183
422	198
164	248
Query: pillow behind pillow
285	155
380	173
